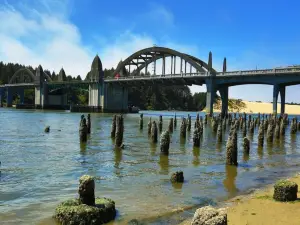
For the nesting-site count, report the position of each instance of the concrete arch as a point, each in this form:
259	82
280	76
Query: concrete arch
16	75
28	72
157	53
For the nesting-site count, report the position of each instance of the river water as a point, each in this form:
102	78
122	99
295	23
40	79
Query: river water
39	170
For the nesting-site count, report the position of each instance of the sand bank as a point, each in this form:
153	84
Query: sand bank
259	208
262	107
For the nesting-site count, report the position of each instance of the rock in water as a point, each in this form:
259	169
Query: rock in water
154	132
47	129
86	190
285	191
165	142
177	177
209	216
113	126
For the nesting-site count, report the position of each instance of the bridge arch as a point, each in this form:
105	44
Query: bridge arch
152	54
25	75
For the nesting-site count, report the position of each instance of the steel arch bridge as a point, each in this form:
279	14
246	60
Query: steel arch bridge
25	75
142	59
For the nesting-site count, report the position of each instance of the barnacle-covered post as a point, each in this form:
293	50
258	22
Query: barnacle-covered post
277	130
89	123
160	123
270	131
261	135
119	131
231	149
141	121
175	121
171	125
196	137
165	142
246	145
113	126
219	132
149	126
189	125
154	132
83	131
183	128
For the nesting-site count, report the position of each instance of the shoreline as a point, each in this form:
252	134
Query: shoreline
258	207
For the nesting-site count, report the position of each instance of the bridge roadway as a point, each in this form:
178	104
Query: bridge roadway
285	76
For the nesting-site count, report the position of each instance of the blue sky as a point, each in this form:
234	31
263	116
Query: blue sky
69	33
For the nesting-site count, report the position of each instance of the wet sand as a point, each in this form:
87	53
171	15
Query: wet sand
259	208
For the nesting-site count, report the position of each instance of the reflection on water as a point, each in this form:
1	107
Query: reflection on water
229	181
40	170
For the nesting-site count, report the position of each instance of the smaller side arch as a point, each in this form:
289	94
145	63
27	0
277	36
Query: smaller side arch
19	72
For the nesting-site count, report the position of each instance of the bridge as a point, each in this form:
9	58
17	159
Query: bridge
111	94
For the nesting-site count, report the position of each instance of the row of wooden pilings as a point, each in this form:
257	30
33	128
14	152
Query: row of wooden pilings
273	126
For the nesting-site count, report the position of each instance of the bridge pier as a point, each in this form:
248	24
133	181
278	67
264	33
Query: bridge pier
224	97
276	90
210	97
115	98
41	89
9	96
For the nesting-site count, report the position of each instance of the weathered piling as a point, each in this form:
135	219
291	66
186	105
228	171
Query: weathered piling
47	129
246	145
86	190
83	131
81	120
189	123
277	130
298	126
231	149
165	142
251	129
224	123
88	123
219	132
205	119
183	128
244	129
294	126
149	126
175	121
214	124
266	125
270	131
249	121
141	121
154	132
196	137
160	124
285	191
113	126
119	131
171	125
177	177
260	139
282	127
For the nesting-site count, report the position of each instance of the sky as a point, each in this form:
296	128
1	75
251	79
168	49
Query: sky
69	33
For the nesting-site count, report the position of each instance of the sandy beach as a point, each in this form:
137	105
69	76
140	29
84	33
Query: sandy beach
262	107
259	208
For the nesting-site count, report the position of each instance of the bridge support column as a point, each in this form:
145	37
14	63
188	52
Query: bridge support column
96	96
2	90
210	97
115	98
276	90
21	94
9	97
224	97
282	99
